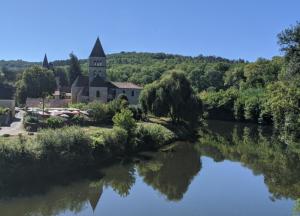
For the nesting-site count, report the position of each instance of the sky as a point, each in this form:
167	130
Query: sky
233	29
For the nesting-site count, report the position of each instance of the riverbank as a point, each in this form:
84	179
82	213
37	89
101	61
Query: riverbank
74	148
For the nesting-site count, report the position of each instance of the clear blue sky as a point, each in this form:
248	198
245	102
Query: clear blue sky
229	28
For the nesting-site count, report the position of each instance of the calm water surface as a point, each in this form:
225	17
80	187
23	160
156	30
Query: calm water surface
231	170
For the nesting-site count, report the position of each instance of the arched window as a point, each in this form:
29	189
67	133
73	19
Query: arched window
97	94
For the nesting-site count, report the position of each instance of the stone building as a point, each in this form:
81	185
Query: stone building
96	86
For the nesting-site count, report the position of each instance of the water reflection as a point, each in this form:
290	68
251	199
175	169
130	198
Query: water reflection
169	173
259	149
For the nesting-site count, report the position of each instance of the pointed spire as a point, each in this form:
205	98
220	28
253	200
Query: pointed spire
45	62
97	50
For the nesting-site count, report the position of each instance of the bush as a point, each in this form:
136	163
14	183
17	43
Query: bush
3	110
152	136
125	120
55	122
31	123
17	151
79	120
99	112
112	141
66	146
81	106
137	112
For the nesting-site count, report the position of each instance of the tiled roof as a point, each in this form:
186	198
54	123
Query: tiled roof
126	85
100	82
81	81
97	50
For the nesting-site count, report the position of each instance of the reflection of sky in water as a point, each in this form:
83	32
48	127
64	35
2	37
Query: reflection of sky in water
224	188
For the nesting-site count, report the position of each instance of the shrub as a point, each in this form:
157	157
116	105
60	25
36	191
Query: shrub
98	112
125	120
79	120
81	106
112	141
55	122
66	146
31	123
17	151
137	112
3	110
151	136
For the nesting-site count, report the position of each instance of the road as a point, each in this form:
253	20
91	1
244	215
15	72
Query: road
16	126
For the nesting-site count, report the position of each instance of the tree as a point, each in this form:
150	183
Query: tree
36	82
125	120
62	75
172	96
9	75
74	69
289	40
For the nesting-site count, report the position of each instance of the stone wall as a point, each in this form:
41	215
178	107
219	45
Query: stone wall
132	94
103	94
49	103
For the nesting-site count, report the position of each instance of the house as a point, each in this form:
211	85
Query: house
96	86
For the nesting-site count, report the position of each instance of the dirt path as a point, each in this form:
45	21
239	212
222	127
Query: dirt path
16	126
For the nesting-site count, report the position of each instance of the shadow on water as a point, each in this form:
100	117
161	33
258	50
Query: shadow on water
31	192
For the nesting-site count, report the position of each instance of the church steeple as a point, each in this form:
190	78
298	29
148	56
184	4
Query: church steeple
97	50
45	62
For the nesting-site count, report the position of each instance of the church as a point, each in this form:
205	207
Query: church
96	86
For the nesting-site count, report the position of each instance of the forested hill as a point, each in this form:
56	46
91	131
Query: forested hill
143	68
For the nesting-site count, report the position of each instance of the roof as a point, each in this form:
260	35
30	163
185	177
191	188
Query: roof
97	50
81	81
45	62
100	82
126	85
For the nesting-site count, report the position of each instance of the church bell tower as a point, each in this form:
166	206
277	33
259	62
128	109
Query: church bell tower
97	62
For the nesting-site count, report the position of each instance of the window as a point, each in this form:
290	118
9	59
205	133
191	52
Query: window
124	92
97	94
132	93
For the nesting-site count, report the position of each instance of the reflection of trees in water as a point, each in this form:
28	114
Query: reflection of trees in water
73	198
171	173
120	178
258	149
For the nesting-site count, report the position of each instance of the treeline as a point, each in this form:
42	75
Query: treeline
265	91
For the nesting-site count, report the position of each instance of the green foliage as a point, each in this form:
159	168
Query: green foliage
74	68
80	120
150	136
3	110
61	73
55	122
65	147
125	120
36	82
114	141
99	112
172	96
289	40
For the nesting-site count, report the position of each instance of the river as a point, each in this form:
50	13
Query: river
232	169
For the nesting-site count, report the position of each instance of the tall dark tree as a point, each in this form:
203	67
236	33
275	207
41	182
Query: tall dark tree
36	82
74	69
